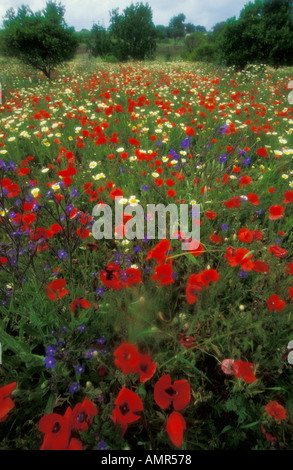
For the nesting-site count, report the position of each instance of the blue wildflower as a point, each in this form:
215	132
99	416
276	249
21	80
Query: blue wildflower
102	445
74	387
80	368
50	362
223	159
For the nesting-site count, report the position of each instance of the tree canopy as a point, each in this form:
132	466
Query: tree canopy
262	34
42	39
177	27
134	32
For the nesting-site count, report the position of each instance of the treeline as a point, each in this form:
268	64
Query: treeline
263	34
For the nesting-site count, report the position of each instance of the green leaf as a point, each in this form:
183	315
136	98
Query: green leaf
250	425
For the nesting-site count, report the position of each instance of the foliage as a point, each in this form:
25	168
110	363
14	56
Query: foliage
134	32
262	34
41	40
99	41
176	28
201	47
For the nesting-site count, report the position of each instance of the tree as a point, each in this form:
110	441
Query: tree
277	31
193	41
134	32
99	42
262	34
201	29
176	27
199	47
42	39
190	28
217	30
162	31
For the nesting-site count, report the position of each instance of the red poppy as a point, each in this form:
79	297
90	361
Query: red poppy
146	368
127	358
128	405
110	276
177	394
190	131
159	181
79	303
175	427
87	187
163	274
262	152
260	267
170	182
245	370
233	202
210	214
288	197
253	199
57	430
160	251
134	142
209	275
133	276
171	193
82	415
116	193
68	172
6	403
215	238
291	292
277	251
55	290
39	233
187	341
191	291
23	171
244	181
245	235
240	256
275	303
195	248
257	235
269	436
276	411
56	228
276	212
83	233
29	218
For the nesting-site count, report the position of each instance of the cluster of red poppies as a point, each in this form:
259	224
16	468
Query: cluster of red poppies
163	271
129	404
239	369
196	282
115	278
61	432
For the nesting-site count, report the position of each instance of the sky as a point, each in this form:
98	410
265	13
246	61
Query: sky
84	13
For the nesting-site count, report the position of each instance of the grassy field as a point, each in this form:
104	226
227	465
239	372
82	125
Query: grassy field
136	343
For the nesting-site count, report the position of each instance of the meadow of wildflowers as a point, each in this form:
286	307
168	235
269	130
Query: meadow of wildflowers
135	343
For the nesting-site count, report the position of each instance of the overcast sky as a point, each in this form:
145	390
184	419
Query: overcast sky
83	13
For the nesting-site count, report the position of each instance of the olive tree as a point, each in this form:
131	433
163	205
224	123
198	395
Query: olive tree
42	39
